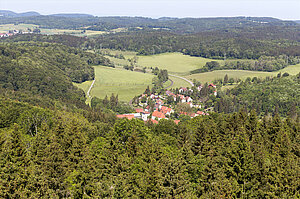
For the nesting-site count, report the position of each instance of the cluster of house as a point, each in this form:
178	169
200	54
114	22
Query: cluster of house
160	110
13	32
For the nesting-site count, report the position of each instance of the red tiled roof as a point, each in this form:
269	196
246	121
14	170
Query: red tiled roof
158	114
139	110
176	121
192	114
200	113
165	109
126	116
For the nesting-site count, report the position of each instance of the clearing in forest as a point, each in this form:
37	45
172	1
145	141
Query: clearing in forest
242	74
175	63
126	84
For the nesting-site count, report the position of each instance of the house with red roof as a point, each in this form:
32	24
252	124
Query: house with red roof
139	110
128	116
145	115
176	121
166	110
159	115
200	113
215	93
182	90
212	85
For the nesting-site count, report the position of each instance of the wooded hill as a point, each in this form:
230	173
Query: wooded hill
47	153
272	95
176	25
54	146
235	43
46	69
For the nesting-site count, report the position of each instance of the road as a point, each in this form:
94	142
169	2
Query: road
88	92
190	82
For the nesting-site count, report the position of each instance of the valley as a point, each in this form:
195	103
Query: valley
140	107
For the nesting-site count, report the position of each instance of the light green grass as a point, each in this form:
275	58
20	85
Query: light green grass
119	62
126	84
242	74
179	82
6	27
71	32
85	87
126	54
174	62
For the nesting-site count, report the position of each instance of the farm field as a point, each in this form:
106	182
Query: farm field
126	84
71	32
6	27
242	74
179	83
127	54
175	63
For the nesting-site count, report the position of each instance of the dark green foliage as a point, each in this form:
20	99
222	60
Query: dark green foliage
44	69
217	156
263	95
244	43
184	25
110	104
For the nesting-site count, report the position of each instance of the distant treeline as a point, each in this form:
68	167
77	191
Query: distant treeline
176	25
237	43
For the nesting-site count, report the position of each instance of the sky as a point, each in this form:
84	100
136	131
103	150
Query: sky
282	9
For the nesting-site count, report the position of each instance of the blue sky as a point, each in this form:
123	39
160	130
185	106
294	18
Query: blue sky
283	9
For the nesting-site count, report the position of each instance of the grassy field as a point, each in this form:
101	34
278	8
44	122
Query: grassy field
126	84
242	74
71	32
6	27
174	62
85	87
179	83
126	54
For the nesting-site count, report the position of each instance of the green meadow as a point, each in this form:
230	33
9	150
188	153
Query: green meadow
178	82
242	74
126	84
176	63
6	27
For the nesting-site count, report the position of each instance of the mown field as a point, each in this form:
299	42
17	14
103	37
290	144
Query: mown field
126	84
71	32
179	83
6	27
174	62
242	74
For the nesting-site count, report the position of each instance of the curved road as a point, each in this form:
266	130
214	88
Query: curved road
190	82
88	92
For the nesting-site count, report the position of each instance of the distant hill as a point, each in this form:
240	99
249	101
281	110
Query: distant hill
72	15
7	13
174	25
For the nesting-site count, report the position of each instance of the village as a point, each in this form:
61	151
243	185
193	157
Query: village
154	107
16	32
